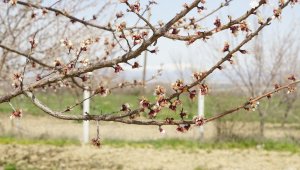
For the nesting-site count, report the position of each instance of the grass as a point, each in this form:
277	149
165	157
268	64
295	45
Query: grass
234	143
214	103
270	145
10	166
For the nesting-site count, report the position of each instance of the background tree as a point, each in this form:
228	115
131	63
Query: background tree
255	75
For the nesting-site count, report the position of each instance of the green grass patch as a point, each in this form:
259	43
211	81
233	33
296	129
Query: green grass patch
29	141
272	145
10	167
181	144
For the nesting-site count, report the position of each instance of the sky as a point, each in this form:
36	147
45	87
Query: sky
198	56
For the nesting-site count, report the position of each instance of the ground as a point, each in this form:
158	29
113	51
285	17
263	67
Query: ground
88	157
139	147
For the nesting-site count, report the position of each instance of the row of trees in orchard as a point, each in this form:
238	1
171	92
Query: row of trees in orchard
48	46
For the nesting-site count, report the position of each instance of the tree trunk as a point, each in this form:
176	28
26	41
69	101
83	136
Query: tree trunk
288	109
261	123
285	117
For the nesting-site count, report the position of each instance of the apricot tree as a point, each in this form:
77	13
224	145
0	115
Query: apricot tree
49	46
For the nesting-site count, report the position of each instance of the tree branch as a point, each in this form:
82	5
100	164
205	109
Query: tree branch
104	117
26	55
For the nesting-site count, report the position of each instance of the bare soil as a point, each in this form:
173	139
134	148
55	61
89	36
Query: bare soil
88	157
108	157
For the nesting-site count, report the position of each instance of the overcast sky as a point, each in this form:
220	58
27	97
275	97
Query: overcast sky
198	55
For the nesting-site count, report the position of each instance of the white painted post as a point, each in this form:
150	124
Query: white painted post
201	112
86	110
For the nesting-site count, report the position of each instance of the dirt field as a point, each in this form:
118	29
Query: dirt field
109	157
87	157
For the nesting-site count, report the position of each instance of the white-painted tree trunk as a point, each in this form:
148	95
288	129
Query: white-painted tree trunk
201	112
86	110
